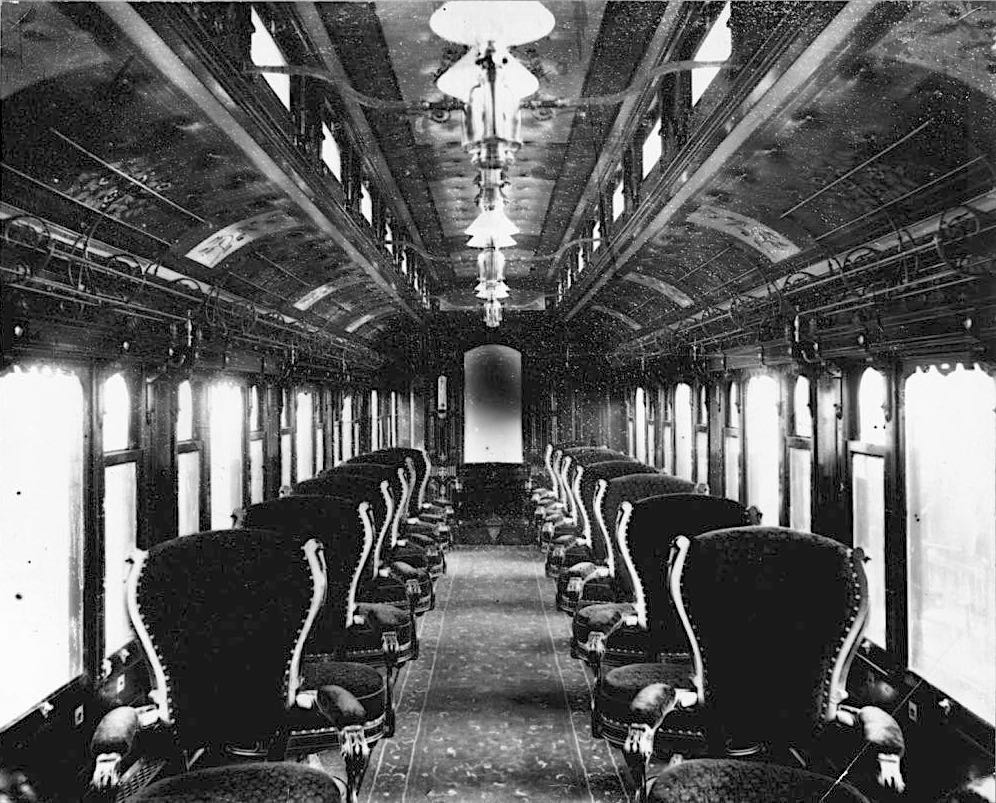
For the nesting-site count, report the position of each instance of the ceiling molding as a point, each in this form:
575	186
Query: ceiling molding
619	316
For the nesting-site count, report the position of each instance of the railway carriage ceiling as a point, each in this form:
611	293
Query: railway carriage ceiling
841	158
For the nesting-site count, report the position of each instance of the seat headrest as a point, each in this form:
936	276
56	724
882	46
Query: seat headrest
322	517
662	517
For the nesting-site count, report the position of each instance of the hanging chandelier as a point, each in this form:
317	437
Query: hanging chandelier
491	83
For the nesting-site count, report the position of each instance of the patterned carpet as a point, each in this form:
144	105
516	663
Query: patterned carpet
495	709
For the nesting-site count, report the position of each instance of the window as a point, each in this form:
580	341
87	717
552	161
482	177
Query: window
226	416
188	464
731	445
255	445
683	431
286	439
702	437
366	201
265	52
347	426
393	429
596	236
117	414
305	431
667	431
331	153
618	196
418	422
763	446
716	46
801	458
641	425
120	511
320	413
867	456
374	422
41	539
951	533
652	147
651	429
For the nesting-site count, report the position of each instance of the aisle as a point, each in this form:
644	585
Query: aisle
495	709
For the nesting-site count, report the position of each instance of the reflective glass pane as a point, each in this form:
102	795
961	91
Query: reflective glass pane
304	431
264	52
120	523
319	449
803	415
764	447
285	460
716	46
184	412
41	536
868	491
702	457
641	425
188	497
683	431
331	153
668	466
652	148
117	414
951	533
800	483
226	416
872	396
731	467
256	470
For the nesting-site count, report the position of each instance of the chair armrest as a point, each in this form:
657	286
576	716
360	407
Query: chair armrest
880	731
339	706
112	741
652	703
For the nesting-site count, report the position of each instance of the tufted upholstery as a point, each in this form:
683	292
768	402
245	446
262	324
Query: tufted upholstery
788	598
631	488
339	525
224	610
710	780
650	528
246	783
605	470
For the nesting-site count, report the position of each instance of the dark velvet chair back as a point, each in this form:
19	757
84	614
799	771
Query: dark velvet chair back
630	487
359	488
222	617
647	529
774	616
423	467
345	529
390	471
593	472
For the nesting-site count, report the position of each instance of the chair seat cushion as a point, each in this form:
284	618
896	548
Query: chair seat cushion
363	682
621	685
704	779
601	616
282	782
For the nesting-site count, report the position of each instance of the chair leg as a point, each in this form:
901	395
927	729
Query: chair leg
356	753
389	643
596	651
637	750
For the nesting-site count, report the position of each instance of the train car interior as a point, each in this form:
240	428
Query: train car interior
498	400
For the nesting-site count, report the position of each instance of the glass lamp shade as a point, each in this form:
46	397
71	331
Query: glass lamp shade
491	265
471	22
492	314
467	73
491	290
491	241
492	222
492	126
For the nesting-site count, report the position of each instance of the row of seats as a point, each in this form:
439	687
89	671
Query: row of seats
716	644
282	637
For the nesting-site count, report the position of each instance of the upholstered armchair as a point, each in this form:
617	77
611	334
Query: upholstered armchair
548	494
773	618
418	549
395	558
375	586
589	568
222	618
573	531
278	782
646	628
609	633
347	629
421	510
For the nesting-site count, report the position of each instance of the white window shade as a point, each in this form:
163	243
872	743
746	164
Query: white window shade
951	533
41	536
683	431
265	52
226	413
763	444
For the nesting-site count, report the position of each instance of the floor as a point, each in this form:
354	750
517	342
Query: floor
495	709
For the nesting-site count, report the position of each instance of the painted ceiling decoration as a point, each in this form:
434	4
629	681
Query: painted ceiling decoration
386	175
